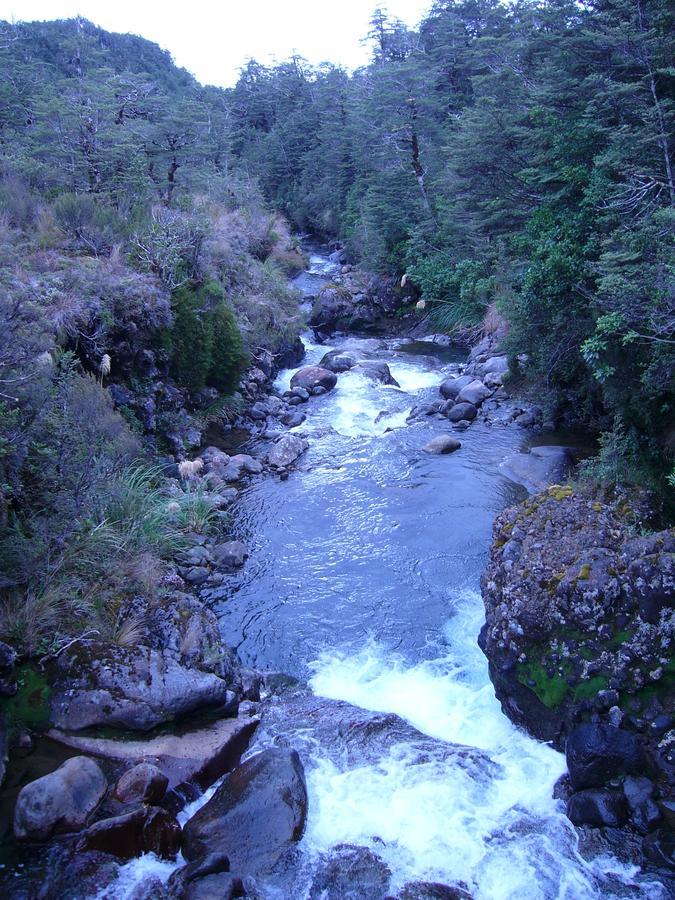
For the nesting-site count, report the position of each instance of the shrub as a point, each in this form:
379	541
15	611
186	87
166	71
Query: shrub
206	344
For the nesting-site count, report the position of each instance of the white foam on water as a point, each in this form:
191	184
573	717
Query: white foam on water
443	819
413	378
136	872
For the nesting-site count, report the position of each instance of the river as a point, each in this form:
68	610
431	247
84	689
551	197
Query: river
363	582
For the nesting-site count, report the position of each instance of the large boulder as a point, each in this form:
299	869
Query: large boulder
60	802
257	813
332	309
579	615
312	377
196	757
286	451
184	628
494	365
101	684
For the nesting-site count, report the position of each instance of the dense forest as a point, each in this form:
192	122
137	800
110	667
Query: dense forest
510	160
517	155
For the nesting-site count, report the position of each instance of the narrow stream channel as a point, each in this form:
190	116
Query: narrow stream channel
364	582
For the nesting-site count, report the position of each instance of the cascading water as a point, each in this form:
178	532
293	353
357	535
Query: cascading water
363	581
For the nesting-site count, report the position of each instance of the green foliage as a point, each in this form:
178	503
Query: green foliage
459	292
29	707
205	340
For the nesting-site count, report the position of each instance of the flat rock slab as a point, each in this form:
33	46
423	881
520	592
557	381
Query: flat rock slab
199	757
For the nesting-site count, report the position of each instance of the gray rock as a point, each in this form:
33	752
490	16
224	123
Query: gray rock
104	684
230	556
189	631
220	886
340	360
451	387
376	370
312	377
60	802
643	810
350	873
462	412
257	813
286	451
195	574
474	393
539	467
495	365
301	393
248	463
293	419
443	443
196	757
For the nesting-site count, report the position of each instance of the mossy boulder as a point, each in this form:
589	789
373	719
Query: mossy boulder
579	616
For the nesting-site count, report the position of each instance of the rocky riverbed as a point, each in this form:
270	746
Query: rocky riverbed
359	517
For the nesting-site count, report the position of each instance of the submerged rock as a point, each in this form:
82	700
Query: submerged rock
443	443
431	890
60	802
256	814
350	873
539	467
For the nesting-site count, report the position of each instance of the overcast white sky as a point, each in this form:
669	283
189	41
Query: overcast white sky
213	39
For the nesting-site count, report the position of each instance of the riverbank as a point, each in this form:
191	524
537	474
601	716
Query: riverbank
343	587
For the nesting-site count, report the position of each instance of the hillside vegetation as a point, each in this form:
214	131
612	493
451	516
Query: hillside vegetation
515	159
